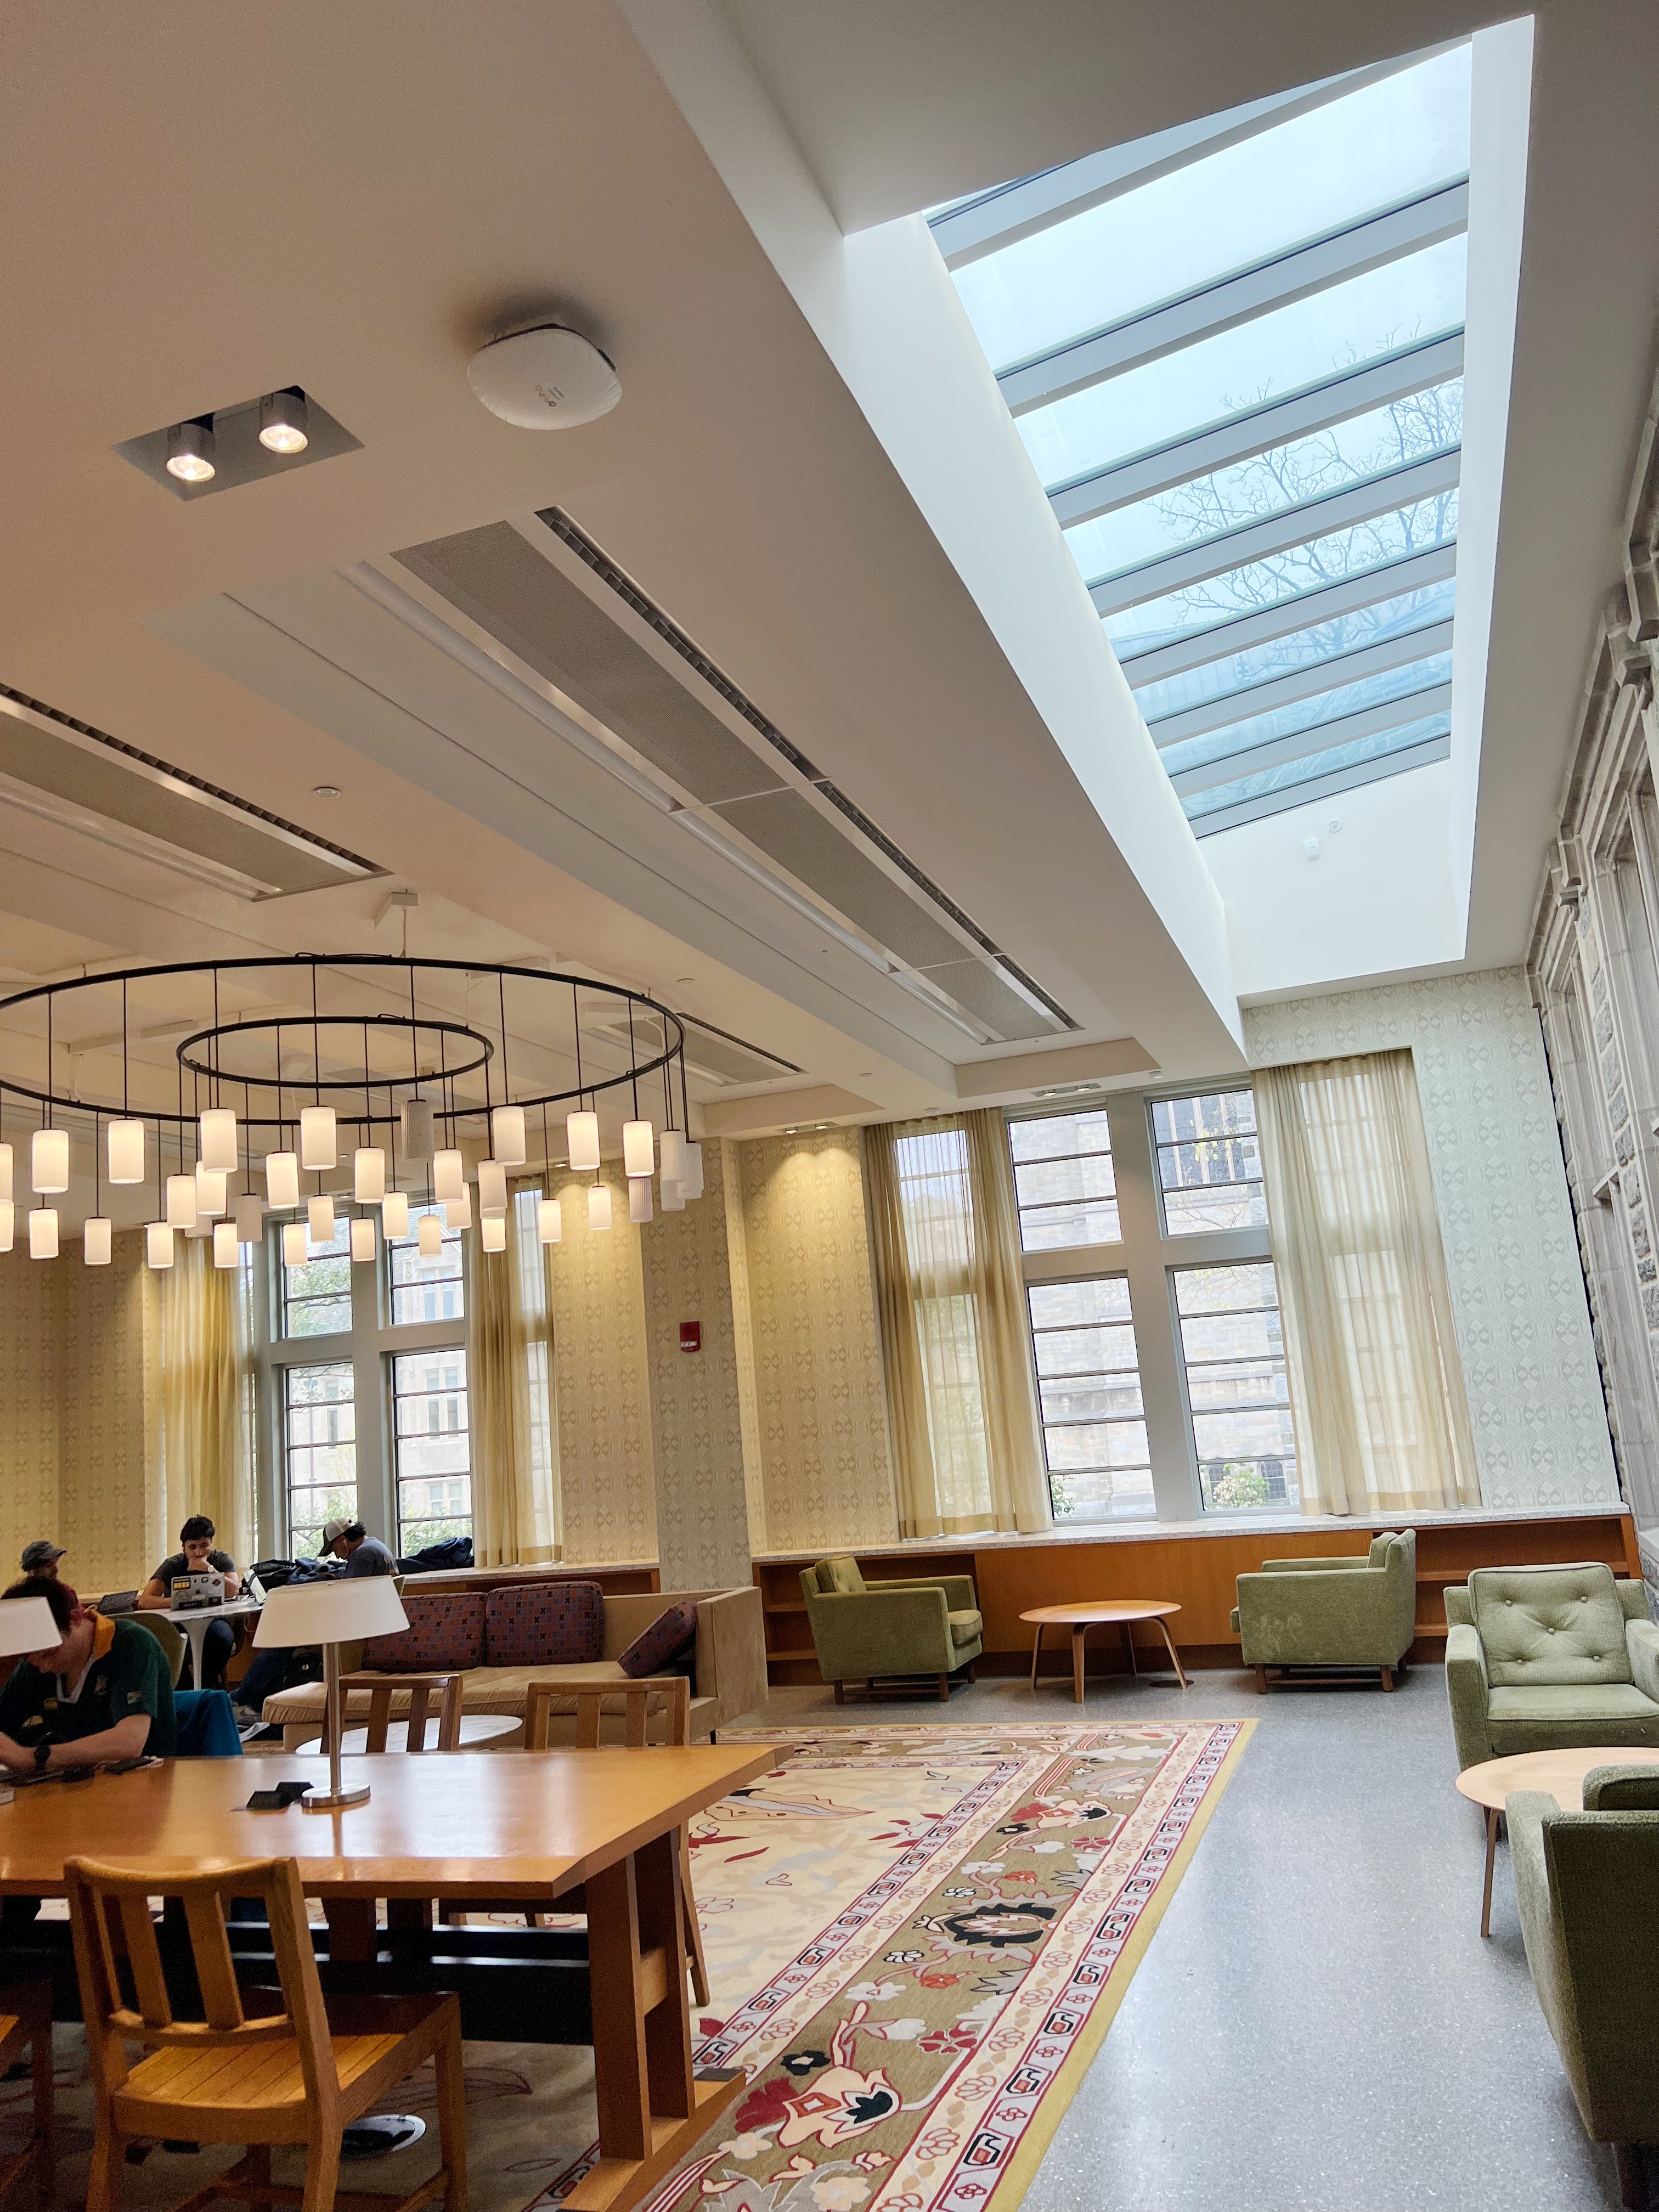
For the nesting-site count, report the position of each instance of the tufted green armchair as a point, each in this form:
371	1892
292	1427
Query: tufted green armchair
1357	1611
1549	1659
1586	1885
863	1630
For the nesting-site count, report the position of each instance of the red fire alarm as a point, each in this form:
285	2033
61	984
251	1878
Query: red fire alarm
691	1336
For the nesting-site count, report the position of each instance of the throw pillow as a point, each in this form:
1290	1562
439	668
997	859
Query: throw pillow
444	1635
546	1624
667	1636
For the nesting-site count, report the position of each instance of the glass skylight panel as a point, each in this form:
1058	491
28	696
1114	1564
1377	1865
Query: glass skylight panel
1247	491
1288	774
1387	142
1308	714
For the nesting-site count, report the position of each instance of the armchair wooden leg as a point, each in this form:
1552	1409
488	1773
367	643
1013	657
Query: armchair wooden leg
944	1689
841	1694
1262	1681
1635	2192
1388	1678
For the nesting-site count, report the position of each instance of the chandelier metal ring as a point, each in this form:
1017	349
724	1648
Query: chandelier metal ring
438	1067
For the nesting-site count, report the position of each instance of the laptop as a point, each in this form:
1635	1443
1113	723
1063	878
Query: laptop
191	1591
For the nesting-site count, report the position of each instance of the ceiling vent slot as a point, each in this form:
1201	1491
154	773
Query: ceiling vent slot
718	1056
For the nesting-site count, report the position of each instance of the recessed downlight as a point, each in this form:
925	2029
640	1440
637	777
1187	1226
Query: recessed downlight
282	428
190	451
325	790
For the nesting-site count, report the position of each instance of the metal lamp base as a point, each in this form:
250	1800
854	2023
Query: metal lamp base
378	2136
331	1801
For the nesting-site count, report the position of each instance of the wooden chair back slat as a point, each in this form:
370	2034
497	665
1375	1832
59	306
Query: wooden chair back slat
144	1959
221	1998
672	1690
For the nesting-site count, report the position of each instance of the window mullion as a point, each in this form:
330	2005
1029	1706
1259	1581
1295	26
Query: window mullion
1174	1473
370	1373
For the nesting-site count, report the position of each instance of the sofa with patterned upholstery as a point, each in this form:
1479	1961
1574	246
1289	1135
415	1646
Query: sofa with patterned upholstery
1548	1659
503	1639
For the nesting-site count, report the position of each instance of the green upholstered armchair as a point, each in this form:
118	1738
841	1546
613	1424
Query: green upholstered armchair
1351	1611
1588	1887
1550	1659
863	1630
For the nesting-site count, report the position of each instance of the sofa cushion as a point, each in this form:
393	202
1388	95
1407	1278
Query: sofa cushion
1541	1625
544	1624
965	1627
669	1634
840	1577
444	1635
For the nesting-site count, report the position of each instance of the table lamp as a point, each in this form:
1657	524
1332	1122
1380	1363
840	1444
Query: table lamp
330	1614
27	1625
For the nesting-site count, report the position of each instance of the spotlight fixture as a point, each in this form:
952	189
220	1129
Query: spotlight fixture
190	451
283	422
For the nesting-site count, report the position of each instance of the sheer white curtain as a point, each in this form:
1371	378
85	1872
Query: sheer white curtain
1376	1389
207	1398
515	1465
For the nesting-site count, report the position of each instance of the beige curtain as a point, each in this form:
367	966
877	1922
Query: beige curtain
1376	1389
207	1399
515	1520
954	1337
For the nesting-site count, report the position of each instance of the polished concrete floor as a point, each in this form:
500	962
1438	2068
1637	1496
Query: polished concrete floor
1317	2023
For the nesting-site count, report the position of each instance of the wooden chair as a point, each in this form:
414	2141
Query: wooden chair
294	2074
638	1697
421	1687
26	2018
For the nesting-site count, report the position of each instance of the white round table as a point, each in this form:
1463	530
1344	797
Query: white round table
194	1620
476	1728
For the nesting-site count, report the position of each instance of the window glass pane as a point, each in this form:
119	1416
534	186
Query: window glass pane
1209	1162
316	1294
1315	172
1094	1435
1064	1180
1290	721
319	1448
431	1437
1289	774
1233	1349
425	1290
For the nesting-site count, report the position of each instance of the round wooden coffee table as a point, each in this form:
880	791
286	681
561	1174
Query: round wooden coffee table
1559	1774
1121	1613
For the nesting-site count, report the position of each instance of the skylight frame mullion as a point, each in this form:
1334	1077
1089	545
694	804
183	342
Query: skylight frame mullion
1317	737
1304	683
1390	234
1320	788
1256	430
1388	580
1280	532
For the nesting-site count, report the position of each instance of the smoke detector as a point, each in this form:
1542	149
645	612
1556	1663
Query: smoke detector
547	378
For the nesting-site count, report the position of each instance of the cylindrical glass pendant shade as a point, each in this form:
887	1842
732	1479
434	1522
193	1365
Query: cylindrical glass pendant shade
181	1201
158	1243
549	1222
8	1225
582	1135
492	1232
670	1197
394	1213
368	1175
691	1180
250	1218
673	1156
282	1180
448	1176
7	1193
457	1212
418	1128
362	1239
97	1242
293	1243
507	1135
227	1252
431	1236
209	1191
43	1233
639	1198
218	1147
319	1219
639	1150
126	1151
492	1186
598	1205
49	1159
318	1139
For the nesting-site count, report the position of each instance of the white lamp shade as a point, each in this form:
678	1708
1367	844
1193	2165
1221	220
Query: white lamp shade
96	1244
430	1234
507	1135
492	1186
362	1239
639	1149
319	1219
598	1205
6	1190
418	1128
293	1243
250	1218
181	1201
209	1191
691	1180
672	1158
639	1198
493	1233
282	1180
448	1176
319	1143
126	1151
227	1252
328	1612
218	1147
8	1225
457	1212
368	1175
582	1135
549	1222
49	1158
27	1625
43	1233
394	1214
158	1243
670	1197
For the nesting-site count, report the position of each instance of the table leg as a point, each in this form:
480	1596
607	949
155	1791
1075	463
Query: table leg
1492	1853
196	1631
350	1927
1077	1634
1174	1656
1128	1631
1036	1646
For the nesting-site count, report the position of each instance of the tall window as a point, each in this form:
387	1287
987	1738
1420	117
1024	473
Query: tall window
1094	1427
433	1446
933	1194
1065	1180
425	1290
1209	1162
1233	1350
316	1295
319	1449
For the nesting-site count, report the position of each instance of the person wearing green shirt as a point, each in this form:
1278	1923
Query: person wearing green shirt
101	1693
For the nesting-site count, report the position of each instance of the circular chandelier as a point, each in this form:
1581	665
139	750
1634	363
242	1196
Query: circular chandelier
372	1066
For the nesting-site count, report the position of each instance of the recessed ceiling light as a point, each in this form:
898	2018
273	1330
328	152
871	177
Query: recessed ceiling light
189	452
684	979
325	790
283	422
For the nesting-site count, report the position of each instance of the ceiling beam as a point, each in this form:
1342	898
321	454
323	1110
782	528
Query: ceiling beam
1321	787
1317	737
1307	683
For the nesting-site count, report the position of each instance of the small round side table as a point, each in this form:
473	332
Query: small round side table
1559	1773
1121	1613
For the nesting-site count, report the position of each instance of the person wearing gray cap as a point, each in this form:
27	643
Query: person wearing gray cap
40	1562
363	1554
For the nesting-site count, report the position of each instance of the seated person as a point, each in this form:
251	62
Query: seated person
100	1692
195	1556
363	1554
40	1558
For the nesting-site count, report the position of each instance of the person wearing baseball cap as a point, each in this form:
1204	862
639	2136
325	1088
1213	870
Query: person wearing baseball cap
363	1554
40	1562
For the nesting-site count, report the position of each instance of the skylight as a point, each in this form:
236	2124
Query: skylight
1233	352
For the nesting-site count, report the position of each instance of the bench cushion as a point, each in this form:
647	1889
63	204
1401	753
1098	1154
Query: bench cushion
445	1635
548	1625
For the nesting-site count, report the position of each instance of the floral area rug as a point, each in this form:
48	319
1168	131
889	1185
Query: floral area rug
916	1936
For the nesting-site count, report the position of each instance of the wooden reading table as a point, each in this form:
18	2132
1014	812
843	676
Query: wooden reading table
525	1825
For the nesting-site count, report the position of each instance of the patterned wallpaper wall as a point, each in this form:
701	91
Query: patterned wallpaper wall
1511	1257
29	1365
